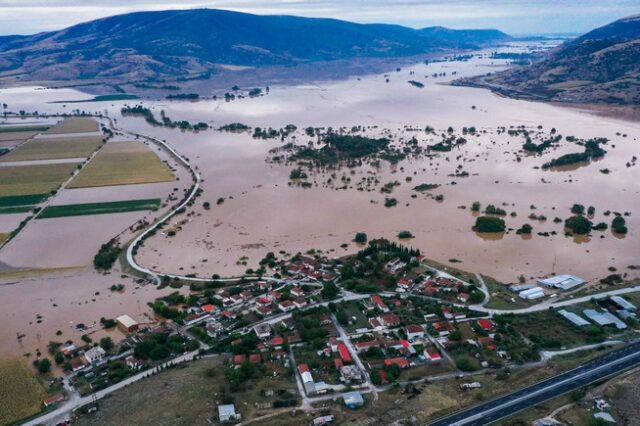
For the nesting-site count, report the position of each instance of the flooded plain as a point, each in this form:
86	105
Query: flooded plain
262	212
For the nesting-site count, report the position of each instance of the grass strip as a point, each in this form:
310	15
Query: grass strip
99	208
13	129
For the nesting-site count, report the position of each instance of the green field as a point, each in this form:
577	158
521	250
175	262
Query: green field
4	237
15	209
123	163
33	180
20	393
34	128
21	200
74	125
54	149
99	208
101	98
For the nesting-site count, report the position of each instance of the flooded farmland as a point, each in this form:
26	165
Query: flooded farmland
262	212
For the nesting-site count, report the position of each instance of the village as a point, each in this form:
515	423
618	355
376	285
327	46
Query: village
317	326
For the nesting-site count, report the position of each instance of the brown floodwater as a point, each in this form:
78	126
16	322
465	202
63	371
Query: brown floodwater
263	213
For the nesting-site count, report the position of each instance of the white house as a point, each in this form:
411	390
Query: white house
94	354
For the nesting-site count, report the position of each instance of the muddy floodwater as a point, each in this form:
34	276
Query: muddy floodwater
262	212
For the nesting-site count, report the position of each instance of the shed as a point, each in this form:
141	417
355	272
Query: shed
227	413
353	399
127	324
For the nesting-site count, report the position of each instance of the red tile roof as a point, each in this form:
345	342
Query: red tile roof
399	361
344	352
485	324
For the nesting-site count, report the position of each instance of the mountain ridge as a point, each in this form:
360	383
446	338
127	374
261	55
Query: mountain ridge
185	42
599	67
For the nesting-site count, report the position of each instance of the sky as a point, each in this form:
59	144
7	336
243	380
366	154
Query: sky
516	17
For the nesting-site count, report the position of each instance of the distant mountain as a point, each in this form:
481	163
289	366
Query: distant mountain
602	66
187	42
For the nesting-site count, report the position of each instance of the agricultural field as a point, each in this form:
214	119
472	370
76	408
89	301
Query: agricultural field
33	180
54	148
74	125
123	163
20	394
99	208
16	135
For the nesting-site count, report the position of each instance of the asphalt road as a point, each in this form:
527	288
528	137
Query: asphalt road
609	364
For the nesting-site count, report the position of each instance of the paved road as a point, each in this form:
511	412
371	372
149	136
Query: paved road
609	364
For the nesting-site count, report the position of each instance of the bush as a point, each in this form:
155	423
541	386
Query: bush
405	234
525	229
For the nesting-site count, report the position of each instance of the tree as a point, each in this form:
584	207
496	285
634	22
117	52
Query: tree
43	365
464	363
578	225
330	291
106	343
360	238
342	317
489	224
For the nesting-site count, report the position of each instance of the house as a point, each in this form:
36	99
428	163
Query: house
126	324
389	320
307	379
349	373
364	346
195	318
463	297
487	343
133	362
53	399
238	360
300	302
404	285
263	331
443	328
255	359
286	306
333	344
77	363
227	413
432	354
209	308
485	324
378	303
401	362
277	342
297	292
344	353
375	324
94	354
414	332
353	399
394	265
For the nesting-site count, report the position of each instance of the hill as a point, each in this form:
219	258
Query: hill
149	45
602	66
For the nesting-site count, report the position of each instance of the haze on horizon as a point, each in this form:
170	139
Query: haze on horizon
516	17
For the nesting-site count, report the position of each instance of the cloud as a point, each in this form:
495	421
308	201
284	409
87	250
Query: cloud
513	16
